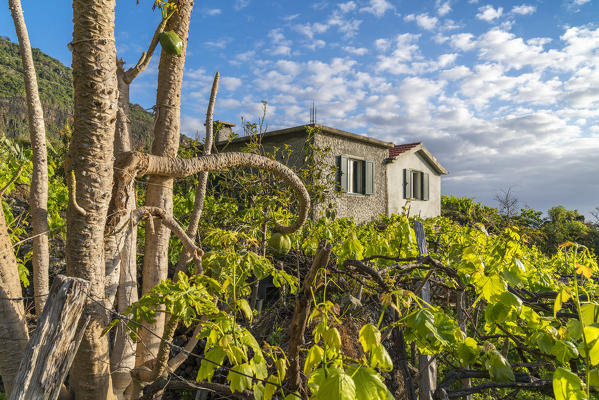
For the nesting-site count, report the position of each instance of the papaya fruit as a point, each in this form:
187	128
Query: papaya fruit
279	244
171	43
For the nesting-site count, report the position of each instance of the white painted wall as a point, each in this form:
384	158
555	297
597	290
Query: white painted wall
395	190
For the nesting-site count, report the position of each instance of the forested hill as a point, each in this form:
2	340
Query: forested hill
56	92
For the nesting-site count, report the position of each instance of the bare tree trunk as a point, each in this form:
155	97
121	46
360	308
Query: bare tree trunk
159	192
89	164
52	347
13	328
198	206
38	196
120	249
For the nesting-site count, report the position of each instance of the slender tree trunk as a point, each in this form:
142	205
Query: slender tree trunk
13	327
159	192
120	249
38	197
90	162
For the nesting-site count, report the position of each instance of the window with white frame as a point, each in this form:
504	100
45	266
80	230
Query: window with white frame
356	175
416	185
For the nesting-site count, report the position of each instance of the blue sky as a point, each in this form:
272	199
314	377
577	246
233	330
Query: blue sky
504	93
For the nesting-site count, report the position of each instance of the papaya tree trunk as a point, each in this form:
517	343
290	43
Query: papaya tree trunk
38	196
159	191
13	328
120	249
89	168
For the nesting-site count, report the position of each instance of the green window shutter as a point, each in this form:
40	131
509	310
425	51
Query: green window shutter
369	177
407	184
417	185
342	173
425	186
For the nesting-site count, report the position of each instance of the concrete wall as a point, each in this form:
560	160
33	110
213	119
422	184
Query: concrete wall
295	140
361	208
395	183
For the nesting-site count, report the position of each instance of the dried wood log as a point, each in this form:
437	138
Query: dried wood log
299	321
53	345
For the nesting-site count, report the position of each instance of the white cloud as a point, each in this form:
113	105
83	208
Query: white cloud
377	7
219	44
348	27
488	13
347	7
463	41
191	126
423	20
455	73
524	9
310	29
241	4
580	2
382	44
442	8
359	51
212	11
316	44
230	83
290	17
406	49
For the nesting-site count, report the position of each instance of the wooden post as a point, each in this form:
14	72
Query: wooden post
52	347
461	305
303	303
427	366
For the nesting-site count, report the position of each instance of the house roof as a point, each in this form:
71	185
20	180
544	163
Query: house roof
417	147
324	129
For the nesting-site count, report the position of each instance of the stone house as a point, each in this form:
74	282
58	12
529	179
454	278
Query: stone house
374	177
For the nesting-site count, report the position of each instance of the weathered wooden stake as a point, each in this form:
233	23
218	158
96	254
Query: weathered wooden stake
299	321
427	366
52	347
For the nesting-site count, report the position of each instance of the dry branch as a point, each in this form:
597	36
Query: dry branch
299	321
53	345
134	164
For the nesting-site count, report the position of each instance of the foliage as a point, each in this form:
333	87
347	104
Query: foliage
56	94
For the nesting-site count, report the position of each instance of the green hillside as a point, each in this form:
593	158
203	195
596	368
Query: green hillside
56	92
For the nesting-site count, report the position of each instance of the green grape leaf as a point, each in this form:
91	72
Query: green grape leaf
238	382
269	389
281	366
381	358
467	351
332	338
591	334
573	329
564	350
259	391
562	297
490	286
245	307
499	368
590	313
594	377
216	355
313	358
567	385
370	337
369	384
337	386
545	342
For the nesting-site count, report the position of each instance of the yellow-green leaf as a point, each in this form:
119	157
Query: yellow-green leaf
561	298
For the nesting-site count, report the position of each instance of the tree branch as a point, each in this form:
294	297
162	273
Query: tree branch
131	164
